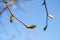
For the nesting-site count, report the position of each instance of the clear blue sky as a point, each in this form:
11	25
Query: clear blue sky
37	16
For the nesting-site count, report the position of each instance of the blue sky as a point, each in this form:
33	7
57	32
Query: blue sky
35	15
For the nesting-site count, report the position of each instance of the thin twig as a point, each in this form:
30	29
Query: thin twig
46	13
14	15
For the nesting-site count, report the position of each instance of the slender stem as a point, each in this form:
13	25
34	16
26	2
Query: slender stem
14	16
46	13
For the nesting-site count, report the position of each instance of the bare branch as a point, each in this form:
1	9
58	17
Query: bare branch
27	26
44	3
13	15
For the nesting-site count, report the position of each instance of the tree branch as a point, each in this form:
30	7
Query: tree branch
14	15
46	15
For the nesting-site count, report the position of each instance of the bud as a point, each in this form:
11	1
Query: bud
51	16
31	26
11	18
45	28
